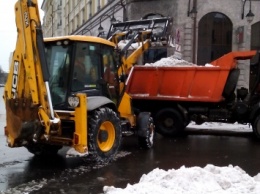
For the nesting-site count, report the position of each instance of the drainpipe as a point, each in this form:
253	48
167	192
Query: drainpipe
125	17
194	46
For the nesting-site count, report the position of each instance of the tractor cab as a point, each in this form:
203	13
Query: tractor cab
80	64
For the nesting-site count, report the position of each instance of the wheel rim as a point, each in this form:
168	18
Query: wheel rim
168	122
106	136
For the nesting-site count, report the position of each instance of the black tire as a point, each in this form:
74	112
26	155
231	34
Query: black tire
40	149
145	127
169	122
256	127
104	135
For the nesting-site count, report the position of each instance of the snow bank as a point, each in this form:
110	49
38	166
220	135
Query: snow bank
194	180
217	126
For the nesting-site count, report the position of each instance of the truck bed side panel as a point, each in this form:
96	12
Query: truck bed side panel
192	83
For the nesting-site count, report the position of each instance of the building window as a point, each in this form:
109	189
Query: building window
83	15
214	37
78	20
98	5
255	38
90	8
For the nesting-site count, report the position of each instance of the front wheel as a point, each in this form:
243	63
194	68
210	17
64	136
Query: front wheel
256	127
145	127
104	135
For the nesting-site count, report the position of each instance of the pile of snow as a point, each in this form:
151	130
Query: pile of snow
195	180
173	61
170	61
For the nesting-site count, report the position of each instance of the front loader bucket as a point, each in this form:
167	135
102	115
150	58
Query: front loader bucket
157	26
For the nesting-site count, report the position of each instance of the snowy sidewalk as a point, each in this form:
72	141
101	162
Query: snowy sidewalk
219	128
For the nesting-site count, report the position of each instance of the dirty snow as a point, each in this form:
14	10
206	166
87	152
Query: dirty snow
194	180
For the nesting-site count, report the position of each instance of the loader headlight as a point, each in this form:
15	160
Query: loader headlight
73	101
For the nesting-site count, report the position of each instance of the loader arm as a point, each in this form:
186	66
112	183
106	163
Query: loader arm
29	111
141	32
143	43
137	37
129	61
132	39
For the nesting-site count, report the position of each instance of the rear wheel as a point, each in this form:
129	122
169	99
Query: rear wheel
104	136
145	127
169	122
256	127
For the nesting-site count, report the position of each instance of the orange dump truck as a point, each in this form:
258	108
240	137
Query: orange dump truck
177	95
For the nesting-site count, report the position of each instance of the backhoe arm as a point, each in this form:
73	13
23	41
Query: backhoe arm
29	111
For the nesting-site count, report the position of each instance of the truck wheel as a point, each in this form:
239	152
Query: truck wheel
169	122
256	127
145	130
104	136
39	149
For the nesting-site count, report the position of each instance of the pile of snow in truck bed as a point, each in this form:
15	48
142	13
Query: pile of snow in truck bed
172	61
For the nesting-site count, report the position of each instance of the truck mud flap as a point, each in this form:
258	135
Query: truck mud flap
231	83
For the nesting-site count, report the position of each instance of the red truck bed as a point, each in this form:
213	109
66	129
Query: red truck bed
184	83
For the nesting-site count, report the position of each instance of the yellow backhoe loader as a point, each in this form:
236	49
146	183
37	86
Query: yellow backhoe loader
69	91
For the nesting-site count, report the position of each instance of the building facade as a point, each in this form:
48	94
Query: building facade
64	17
202	30
52	20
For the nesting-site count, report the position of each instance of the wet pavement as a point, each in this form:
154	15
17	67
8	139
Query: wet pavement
78	175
